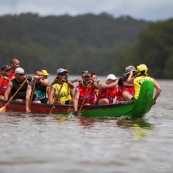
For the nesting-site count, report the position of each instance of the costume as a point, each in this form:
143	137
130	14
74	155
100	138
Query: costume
108	94
64	94
87	93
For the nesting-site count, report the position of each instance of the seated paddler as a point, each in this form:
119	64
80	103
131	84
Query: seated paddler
141	76
60	90
85	92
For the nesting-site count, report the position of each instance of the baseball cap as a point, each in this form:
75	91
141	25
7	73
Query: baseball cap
60	70
45	73
128	69
5	67
86	73
111	77
19	70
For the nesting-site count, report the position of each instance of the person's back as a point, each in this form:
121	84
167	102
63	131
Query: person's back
138	81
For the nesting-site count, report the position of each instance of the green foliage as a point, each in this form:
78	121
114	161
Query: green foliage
100	43
154	48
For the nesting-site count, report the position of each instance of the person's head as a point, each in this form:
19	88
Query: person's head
111	78
45	74
5	70
61	74
20	74
39	73
142	69
15	63
128	69
86	76
93	76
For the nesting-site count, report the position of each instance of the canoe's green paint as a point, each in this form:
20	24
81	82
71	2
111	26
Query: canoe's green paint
136	109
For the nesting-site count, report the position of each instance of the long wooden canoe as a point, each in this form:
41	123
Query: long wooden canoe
133	109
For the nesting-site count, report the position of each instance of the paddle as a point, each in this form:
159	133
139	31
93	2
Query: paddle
80	109
32	93
3	109
57	98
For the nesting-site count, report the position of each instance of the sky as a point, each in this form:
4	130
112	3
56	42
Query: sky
150	10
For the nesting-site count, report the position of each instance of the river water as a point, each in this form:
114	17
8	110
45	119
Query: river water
46	144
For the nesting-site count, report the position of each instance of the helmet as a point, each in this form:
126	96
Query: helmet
142	67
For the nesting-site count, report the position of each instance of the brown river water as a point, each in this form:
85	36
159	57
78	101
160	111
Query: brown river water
47	144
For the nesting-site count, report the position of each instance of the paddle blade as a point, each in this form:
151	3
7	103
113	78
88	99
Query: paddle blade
3	109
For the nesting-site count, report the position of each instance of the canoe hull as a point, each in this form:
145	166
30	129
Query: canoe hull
133	109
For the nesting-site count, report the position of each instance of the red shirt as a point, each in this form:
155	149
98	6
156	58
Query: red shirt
12	75
3	85
87	93
108	94
121	89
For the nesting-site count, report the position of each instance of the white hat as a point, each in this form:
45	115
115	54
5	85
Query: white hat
19	70
60	70
111	77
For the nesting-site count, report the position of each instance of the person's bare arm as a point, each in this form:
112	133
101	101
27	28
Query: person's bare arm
130	79
76	99
8	91
28	95
70	84
107	86
51	95
158	89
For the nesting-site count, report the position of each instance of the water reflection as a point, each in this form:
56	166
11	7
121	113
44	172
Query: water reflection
140	128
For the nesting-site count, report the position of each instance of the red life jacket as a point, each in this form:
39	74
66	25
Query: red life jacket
121	89
87	93
3	85
107	93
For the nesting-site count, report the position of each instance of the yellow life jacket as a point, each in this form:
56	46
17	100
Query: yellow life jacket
137	84
64	94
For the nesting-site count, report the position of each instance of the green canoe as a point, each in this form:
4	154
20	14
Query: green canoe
132	109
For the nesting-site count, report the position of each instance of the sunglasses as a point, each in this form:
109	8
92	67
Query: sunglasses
21	74
7	70
62	74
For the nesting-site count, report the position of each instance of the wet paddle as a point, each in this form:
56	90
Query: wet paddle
3	109
32	93
80	109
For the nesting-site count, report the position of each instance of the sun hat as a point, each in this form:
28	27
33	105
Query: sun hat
86	73
128	69
60	70
5	67
45	73
142	67
19	70
111	77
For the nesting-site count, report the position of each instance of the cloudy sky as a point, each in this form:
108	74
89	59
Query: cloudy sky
140	9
